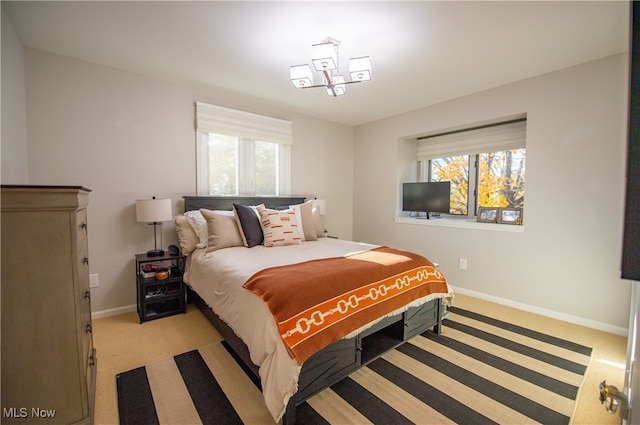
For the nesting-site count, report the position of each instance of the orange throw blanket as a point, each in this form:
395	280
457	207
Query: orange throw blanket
319	302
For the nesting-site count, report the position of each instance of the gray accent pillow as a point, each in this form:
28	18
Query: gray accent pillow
249	225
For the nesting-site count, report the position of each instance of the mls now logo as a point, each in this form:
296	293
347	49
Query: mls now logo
15	412
23	412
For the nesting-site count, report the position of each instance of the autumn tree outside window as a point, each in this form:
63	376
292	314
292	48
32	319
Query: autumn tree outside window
486	165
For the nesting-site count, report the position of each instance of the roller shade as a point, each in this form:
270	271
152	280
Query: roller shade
220	120
494	138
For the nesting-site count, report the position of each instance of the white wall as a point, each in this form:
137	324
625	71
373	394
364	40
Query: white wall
13	138
126	137
567	261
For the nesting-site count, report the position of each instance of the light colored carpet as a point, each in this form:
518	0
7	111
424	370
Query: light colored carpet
123	344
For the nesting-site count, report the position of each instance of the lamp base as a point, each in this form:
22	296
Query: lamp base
155	253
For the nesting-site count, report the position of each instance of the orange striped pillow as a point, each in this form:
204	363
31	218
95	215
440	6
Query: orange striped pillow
280	228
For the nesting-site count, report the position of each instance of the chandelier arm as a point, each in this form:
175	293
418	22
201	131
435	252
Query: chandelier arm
327	75
330	84
315	86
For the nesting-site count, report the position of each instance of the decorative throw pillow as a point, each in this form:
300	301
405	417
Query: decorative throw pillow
305	221
317	221
248	221
280	227
187	238
222	228
199	225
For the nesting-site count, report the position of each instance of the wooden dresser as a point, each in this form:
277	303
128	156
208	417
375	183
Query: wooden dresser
48	359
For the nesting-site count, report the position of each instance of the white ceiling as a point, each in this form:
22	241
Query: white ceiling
422	52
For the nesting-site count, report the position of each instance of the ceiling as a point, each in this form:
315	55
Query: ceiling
422	52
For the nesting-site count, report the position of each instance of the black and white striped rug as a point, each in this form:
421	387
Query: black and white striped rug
478	371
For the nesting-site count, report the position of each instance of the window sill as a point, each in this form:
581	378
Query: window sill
461	224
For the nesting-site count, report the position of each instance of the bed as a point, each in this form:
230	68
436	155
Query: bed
233	286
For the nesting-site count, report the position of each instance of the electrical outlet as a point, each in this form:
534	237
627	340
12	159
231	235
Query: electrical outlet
94	281
462	263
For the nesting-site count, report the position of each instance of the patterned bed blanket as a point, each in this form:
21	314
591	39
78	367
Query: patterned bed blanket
318	302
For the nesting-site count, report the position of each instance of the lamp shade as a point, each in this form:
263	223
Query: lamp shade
338	88
324	56
321	204
360	68
153	210
301	76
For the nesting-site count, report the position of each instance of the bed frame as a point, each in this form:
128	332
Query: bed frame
339	359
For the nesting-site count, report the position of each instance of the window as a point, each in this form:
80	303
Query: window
501	178
486	165
239	153
456	170
231	166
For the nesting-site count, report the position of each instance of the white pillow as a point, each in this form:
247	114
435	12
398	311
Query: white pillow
199	224
317	221
187	237
305	221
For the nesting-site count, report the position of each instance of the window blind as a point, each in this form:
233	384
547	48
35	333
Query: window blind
217	119
494	138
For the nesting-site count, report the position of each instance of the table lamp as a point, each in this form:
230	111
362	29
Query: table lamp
154	212
321	204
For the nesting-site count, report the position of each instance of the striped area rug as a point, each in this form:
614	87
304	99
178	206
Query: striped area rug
478	371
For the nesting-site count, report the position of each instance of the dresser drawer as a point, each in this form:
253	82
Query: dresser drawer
87	340
85	327
82	230
83	268
92	368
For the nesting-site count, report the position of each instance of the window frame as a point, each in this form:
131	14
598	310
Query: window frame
245	167
460	142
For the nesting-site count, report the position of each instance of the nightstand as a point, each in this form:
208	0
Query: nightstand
159	296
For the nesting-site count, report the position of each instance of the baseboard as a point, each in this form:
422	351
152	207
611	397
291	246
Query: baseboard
112	312
616	330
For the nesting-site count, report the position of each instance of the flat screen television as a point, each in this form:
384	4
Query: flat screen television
426	197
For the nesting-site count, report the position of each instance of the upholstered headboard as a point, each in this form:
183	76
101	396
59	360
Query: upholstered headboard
226	202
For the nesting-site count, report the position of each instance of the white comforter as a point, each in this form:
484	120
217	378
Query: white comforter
218	278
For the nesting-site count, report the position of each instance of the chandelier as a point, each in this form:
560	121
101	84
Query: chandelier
324	57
